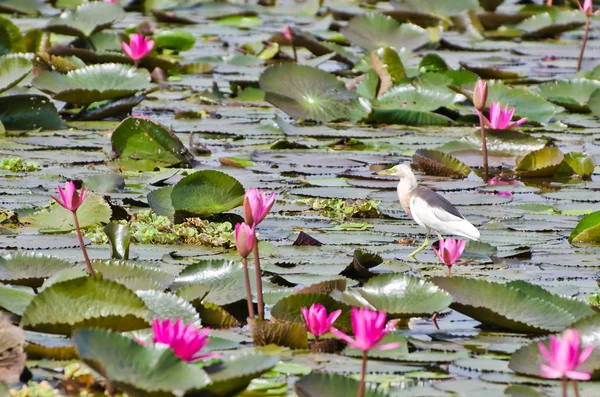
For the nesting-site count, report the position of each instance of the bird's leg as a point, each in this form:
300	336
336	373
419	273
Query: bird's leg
422	247
439	236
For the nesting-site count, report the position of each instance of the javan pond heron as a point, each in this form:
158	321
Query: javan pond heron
429	209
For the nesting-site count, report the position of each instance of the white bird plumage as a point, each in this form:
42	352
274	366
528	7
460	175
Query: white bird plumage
429	209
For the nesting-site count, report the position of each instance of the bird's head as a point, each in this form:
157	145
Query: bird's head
401	171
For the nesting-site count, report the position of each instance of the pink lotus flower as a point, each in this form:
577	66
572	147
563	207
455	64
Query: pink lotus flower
186	342
450	250
500	119
138	47
112	1
587	8
69	199
287	33
369	329
317	321
564	357
244	239
257	206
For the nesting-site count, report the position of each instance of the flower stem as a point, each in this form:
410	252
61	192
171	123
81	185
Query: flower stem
449	271
248	290
483	146
585	37
575	387
85	255
295	53
135	63
259	292
564	387
363	373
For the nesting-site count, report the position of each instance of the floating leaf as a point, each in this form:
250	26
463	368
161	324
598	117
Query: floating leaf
516	306
105	183
27	112
138	370
93	83
86	19
527	103
577	163
175	40
443	7
571	94
289	309
163	306
15	300
550	24
55	347
305	92
402	295
409	117
148	141
375	30
11	40
12	71
542	162
19	6
119	239
205	193
85	302
281	333
29	268
434	162
319	384
587	230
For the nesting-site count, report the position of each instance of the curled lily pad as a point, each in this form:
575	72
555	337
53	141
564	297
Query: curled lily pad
434	162
517	306
23	112
388	66
402	295
85	302
375	30
281	333
93	83
86	19
305	92
175	40
549	24
542	162
136	369
29	268
205	193
119	239
12	71
11	40
149	142
587	230
577	163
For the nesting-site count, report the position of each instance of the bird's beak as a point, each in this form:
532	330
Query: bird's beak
386	172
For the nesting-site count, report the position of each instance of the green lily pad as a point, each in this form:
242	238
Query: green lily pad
138	370
174	40
119	239
571	94
50	346
577	163
409	117
443	7
289	309
373	31
402	295
516	306
93	211
205	193
85	302
232	375
160	202
305	92
27	112
86	19
319	384
387	64
15	300
527	103
148	141
434	162
280	333
29	268
433	63
163	306
587	230
19	6
12	71
105	183
542	162
122	270
11	40
93	83
550	24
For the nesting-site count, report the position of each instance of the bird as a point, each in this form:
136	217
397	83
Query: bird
429	209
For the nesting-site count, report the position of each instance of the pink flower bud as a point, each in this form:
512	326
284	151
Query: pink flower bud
480	94
69	199
317	321
244	239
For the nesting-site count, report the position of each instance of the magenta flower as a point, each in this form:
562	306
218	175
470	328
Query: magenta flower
256	206
369	329
138	47
498	181
244	239
564	357
587	8
287	33
186	342
500	119
317	321
450	250
112	1
69	198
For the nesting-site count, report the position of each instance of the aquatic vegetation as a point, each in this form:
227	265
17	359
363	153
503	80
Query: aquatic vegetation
186	341
16	164
449	251
340	209
317	321
138	47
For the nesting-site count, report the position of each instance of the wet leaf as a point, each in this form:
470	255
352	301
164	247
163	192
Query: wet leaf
15	300
175	40
19	6
550	24
434	162
163	306
375	30
29	268
587	230
11	40
119	239
85	302
12	71
318	384
577	163
27	112
86	19
542	162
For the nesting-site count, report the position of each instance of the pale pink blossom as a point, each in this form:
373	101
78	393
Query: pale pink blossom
500	118
564	357
450	250
369	329
138	47
244	239
185	341
69	198
256	206
317	321
587	8
480	94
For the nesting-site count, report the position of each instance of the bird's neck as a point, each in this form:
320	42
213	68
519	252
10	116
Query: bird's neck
407	185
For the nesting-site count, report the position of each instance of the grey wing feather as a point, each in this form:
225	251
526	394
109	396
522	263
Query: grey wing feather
435	200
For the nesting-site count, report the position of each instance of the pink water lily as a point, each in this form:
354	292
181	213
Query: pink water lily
69	198
450	250
587	8
369	328
564	357
317	321
500	118
185	341
244	239
138	47
256	206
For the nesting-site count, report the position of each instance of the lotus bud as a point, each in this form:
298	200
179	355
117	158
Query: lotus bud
480	94
244	239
